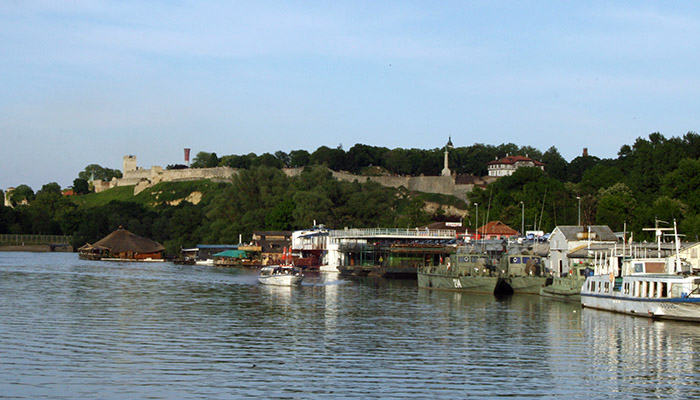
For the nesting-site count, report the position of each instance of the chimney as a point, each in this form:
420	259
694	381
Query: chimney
585	151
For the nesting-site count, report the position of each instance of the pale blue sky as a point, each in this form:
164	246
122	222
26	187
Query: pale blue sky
85	82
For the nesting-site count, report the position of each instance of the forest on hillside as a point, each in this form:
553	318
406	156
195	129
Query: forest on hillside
655	178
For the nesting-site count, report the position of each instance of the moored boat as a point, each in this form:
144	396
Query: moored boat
653	287
567	287
523	272
464	272
645	291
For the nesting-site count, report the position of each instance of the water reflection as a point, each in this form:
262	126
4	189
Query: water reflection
166	331
642	356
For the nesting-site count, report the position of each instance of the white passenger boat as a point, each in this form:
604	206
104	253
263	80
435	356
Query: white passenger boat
285	274
650	287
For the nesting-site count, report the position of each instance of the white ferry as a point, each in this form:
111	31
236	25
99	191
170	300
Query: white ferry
652	287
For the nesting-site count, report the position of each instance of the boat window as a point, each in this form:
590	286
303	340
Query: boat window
627	288
607	287
677	290
599	286
664	290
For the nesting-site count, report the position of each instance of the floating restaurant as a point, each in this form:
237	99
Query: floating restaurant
388	253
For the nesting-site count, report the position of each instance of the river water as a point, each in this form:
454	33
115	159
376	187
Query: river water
74	329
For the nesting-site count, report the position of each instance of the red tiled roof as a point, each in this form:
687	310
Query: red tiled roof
497	228
514	159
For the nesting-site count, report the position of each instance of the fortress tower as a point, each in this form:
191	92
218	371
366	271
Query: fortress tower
129	164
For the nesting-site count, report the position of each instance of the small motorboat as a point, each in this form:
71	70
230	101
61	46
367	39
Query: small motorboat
280	275
285	274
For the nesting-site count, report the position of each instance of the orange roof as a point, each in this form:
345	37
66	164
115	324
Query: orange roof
497	228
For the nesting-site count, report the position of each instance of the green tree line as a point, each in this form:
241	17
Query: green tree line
654	178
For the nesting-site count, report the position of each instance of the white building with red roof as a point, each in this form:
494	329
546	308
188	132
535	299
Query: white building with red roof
508	164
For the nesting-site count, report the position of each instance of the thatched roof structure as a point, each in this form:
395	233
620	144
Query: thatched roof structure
122	241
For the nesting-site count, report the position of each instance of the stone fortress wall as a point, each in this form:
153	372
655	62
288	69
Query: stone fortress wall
142	179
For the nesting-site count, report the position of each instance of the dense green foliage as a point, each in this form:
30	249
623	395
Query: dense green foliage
655	178
97	172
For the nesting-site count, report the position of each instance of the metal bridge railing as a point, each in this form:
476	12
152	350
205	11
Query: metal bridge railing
11	239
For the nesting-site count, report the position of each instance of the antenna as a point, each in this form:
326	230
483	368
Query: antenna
659	233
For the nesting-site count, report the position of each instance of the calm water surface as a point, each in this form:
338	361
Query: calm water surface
84	329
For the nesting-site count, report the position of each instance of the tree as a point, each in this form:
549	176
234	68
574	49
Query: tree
97	172
683	184
284	158
398	161
268	160
20	194
240	162
555	165
579	166
80	186
281	218
616	205
601	176
205	160
299	158
332	158
52	187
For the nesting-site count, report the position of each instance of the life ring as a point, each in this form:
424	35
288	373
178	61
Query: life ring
449	265
612	277
571	272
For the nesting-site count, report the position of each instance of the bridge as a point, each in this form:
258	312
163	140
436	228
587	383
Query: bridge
15	242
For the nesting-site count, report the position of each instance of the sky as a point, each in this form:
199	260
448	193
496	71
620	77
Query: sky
87	82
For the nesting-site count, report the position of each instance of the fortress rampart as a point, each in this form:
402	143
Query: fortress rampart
142	179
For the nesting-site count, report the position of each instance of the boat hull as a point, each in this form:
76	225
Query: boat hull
563	288
661	309
475	284
281	280
526	284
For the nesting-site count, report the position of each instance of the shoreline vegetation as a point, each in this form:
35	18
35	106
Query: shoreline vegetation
656	178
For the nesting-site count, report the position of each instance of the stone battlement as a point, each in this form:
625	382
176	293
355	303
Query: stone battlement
142	179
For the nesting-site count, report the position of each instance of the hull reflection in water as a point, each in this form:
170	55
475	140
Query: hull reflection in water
643	355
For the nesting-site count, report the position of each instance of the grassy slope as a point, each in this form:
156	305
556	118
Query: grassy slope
162	192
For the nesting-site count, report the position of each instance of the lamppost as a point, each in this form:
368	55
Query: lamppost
476	225
579	210
522	222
